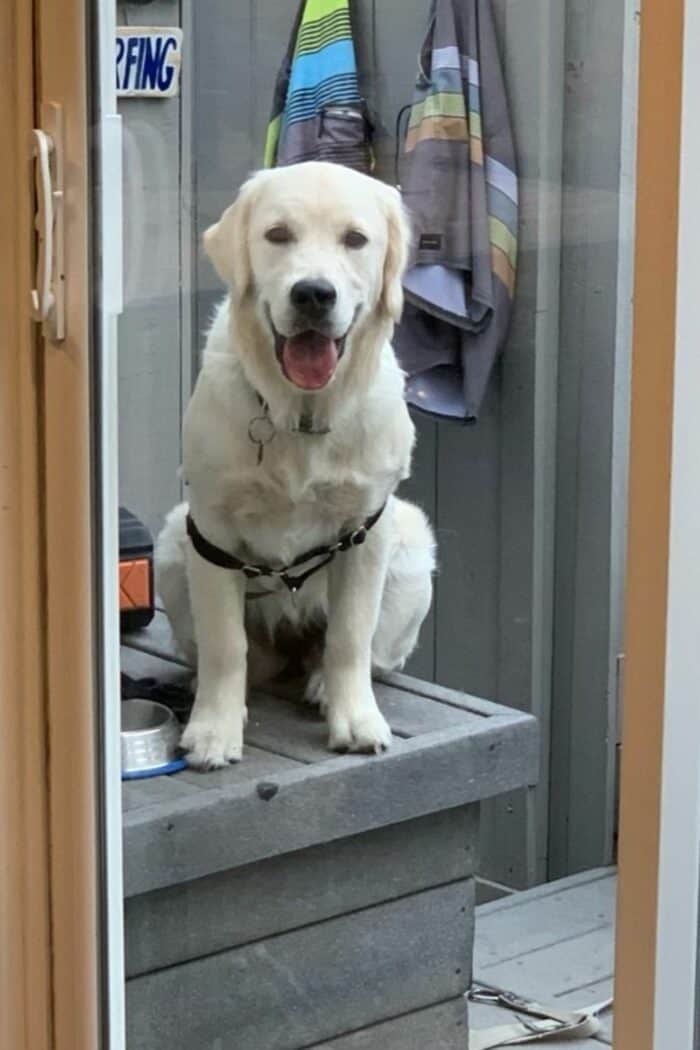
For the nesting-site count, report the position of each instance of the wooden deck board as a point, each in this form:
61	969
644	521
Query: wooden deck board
291	729
513	927
291	802
449	750
473	749
148	792
559	967
311	985
297	730
157	641
185	838
554	944
192	920
140	664
257	764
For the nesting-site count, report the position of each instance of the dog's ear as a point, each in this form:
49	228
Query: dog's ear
226	242
398	240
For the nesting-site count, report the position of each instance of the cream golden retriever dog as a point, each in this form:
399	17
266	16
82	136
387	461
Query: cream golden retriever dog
295	440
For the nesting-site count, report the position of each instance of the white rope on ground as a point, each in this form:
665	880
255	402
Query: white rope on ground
535	1023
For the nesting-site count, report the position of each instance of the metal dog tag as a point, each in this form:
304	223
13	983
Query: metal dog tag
261	431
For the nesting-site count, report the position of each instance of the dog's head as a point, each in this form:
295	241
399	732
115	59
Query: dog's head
313	255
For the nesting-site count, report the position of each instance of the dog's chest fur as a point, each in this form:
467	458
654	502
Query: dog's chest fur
296	498
306	489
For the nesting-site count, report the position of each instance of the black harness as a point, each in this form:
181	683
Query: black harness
326	554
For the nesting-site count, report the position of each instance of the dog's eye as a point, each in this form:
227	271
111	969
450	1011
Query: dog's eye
354	239
278	235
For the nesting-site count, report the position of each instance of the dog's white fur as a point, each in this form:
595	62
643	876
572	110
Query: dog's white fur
307	489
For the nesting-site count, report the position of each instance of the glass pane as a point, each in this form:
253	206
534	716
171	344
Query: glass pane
373	397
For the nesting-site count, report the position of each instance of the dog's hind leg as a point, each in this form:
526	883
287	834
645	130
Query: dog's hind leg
171	580
408	588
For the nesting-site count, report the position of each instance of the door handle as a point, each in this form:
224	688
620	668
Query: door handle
48	297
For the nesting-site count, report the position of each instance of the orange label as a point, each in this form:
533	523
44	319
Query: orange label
135	584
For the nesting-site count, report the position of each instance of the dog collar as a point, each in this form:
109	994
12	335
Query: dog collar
261	429
224	560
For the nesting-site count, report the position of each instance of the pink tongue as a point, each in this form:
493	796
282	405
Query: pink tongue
309	360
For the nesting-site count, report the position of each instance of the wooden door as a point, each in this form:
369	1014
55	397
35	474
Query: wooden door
50	849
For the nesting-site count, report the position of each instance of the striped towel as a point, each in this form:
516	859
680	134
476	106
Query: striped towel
317	111
459	182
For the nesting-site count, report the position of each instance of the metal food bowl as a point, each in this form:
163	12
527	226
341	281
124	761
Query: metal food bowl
150	736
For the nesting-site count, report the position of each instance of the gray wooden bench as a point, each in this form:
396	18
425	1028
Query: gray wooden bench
305	899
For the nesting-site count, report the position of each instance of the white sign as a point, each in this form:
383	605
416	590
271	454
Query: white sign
148	61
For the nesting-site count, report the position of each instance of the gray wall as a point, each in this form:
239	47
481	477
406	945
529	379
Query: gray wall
490	489
592	437
153	329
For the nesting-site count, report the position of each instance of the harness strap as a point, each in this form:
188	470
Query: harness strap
223	560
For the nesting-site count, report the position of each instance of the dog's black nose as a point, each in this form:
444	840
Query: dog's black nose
315	296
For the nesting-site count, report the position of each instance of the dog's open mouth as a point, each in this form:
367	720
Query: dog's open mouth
309	359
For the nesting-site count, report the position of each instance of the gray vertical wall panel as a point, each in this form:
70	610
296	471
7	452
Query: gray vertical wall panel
467	529
421	488
363	16
583	742
531	39
222	143
189	246
622	393
388	49
271	28
397	37
517	826
508	832
149	328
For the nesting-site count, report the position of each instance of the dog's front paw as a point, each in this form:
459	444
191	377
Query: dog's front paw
360	728
212	743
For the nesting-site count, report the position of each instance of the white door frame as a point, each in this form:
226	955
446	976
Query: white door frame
107	228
